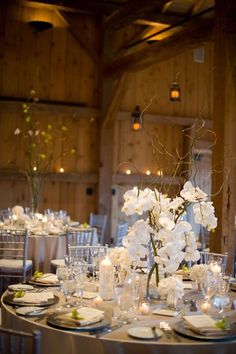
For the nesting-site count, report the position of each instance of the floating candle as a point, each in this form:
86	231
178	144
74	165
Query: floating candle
97	300
205	307
144	308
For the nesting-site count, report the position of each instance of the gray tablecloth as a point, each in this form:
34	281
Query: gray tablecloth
118	342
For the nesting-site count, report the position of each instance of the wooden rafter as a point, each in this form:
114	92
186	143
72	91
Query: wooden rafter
197	7
131	11
151	18
14	105
170	120
114	103
189	37
88	7
70	22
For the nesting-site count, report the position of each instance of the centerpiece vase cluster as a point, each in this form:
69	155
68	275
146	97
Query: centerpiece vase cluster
162	230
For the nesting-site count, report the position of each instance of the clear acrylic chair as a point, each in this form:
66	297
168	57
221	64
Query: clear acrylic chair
87	252
13	254
100	222
75	238
90	254
122	230
81	237
19	342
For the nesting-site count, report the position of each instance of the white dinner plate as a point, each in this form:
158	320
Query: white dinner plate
19	286
143	332
30	311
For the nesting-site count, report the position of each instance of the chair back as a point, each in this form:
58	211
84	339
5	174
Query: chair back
13	246
122	230
90	254
81	237
19	342
100	222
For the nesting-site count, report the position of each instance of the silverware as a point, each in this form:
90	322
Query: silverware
169	332
155	336
104	331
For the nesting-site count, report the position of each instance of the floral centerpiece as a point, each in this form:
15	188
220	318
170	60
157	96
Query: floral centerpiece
38	141
162	231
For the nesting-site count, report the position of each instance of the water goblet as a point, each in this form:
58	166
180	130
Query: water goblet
61	273
68	287
79	270
221	300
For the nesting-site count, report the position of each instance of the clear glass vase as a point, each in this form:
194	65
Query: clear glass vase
153	275
35	182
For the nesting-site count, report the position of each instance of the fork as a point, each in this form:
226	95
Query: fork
168	331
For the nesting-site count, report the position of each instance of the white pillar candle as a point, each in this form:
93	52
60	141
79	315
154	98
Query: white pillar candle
106	279
215	268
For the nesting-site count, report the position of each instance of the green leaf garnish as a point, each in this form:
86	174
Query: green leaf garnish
222	324
185	268
38	274
75	315
19	293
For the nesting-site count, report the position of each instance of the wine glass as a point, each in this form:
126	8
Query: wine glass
61	273
68	287
79	270
221	300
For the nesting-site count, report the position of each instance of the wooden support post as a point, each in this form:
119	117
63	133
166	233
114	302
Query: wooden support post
224	125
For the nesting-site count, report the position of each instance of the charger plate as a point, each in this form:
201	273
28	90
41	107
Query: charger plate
9	299
56	322
182	328
38	283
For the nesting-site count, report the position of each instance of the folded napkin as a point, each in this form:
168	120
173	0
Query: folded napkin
204	324
89	295
88	315
166	312
35	298
47	278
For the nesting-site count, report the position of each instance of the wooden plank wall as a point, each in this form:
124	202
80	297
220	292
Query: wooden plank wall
59	69
151	87
54	64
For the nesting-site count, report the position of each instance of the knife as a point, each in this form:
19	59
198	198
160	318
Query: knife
106	330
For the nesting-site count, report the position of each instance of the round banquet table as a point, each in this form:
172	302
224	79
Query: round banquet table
43	248
117	342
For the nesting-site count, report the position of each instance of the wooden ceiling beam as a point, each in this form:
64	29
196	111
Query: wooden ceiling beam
131	11
198	6
151	18
169	120
72	110
79	37
114	103
189	37
88	7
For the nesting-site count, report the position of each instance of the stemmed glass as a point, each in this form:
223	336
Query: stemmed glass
79	270
68	287
221	300
61	273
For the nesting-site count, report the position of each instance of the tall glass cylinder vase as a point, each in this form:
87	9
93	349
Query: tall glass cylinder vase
35	182
153	272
